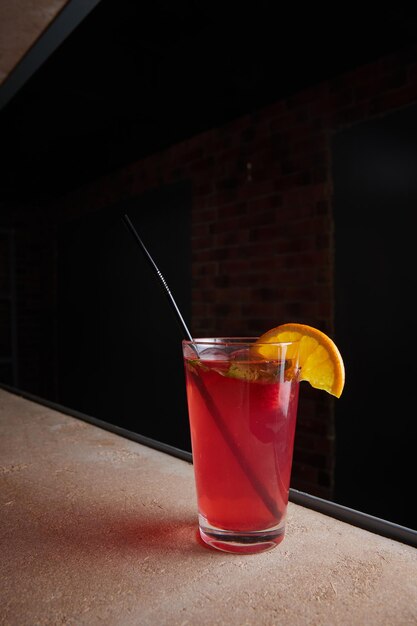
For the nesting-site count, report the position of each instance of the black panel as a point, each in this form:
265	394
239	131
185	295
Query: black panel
119	344
375	178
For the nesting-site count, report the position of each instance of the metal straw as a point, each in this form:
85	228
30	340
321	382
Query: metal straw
167	292
215	413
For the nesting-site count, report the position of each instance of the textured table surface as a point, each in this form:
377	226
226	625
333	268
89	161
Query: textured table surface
98	529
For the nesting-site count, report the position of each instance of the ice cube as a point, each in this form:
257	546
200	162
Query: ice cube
213	354
240	354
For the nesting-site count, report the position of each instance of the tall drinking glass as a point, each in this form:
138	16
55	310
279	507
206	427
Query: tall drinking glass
242	409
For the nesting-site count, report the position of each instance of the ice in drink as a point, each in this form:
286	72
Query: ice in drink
242	418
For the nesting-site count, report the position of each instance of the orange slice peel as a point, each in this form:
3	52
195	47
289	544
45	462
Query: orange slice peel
320	361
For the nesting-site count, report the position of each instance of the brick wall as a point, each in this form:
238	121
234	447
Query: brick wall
262	221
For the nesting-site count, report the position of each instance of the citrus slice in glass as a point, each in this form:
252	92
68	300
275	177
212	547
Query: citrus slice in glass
320	361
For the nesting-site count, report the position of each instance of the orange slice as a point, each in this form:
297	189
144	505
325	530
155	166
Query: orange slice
320	361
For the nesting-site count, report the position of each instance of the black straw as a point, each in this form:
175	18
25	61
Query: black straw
163	282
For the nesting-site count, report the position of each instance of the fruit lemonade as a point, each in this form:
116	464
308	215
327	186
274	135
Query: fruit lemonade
242	418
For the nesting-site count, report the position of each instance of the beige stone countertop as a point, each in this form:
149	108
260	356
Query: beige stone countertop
98	529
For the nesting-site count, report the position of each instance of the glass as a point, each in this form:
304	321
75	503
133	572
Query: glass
242	410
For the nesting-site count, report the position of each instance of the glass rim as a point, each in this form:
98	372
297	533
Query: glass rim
235	341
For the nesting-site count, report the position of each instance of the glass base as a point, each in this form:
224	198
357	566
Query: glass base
241	542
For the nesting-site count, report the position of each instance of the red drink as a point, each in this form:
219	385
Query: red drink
242	419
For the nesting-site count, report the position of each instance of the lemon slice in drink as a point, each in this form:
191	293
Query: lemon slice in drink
320	361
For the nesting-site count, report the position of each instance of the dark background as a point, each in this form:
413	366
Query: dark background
374	167
118	342
136	77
